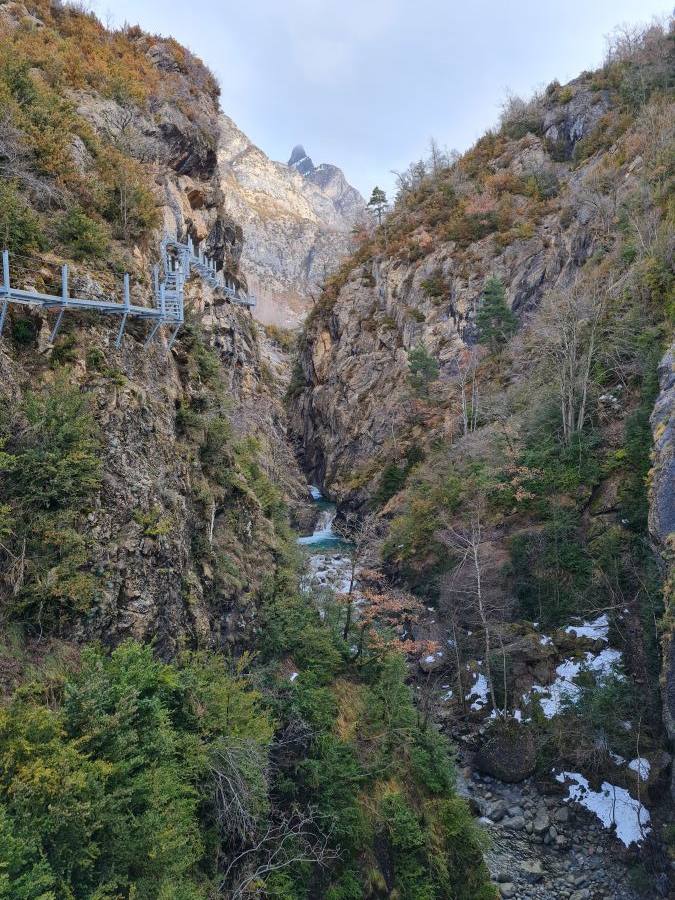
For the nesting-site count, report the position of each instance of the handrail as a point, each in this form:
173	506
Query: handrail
178	259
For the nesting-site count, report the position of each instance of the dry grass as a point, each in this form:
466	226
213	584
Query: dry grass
351	706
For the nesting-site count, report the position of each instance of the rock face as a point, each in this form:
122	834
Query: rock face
662	523
355	363
353	404
296	218
158	531
154	580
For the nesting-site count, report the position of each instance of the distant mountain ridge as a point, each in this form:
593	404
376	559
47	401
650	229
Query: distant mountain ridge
297	220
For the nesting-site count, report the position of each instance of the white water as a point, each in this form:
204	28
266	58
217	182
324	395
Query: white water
323	531
329	563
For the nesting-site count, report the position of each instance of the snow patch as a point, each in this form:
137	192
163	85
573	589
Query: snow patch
612	805
597	630
641	766
480	692
552	697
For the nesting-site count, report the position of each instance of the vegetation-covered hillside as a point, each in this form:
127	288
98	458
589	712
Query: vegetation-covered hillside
480	376
177	719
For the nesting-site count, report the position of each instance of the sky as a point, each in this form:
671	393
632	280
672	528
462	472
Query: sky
365	84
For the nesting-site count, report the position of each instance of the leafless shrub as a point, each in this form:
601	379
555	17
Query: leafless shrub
287	842
565	331
467	596
518	116
16	165
639	43
240	777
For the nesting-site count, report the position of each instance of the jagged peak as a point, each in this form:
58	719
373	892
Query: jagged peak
300	161
298	153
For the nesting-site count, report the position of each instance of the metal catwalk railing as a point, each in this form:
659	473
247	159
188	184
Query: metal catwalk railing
178	260
187	257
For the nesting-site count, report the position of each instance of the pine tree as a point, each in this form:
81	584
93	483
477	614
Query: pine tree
495	322
423	369
378	203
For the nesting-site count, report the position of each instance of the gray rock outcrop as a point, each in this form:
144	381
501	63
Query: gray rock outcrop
662	524
297	221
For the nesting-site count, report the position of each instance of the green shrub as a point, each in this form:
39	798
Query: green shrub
24	332
392	480
435	286
412	545
394	475
20	229
188	419
129	204
111	784
50	473
542	183
82	236
551	569
152	522
495	322
65	351
216	449
95	359
297	383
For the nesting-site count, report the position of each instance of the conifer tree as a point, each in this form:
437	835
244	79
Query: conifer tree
423	369
378	203
495	322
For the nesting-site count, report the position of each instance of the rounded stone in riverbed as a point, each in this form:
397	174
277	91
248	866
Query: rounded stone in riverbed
507	751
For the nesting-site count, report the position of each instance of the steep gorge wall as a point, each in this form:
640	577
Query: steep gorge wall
354	359
662	526
178	553
570	199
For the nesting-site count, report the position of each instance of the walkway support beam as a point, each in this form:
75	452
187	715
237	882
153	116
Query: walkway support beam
5	288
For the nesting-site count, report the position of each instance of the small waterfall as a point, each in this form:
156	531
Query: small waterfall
323	532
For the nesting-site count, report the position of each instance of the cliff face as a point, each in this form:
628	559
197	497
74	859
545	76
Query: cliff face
662	526
296	221
177	547
480	375
478	379
418	287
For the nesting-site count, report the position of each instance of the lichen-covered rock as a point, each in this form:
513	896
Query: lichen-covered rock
507	751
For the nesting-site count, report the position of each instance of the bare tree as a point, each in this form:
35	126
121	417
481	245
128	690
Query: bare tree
519	116
239	798
467	366
565	332
288	842
467	590
438	159
365	542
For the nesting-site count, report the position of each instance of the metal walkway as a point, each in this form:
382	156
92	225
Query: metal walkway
178	261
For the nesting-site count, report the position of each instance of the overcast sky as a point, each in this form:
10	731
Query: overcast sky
364	84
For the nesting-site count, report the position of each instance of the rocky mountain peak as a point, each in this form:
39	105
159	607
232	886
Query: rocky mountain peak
300	161
297	229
